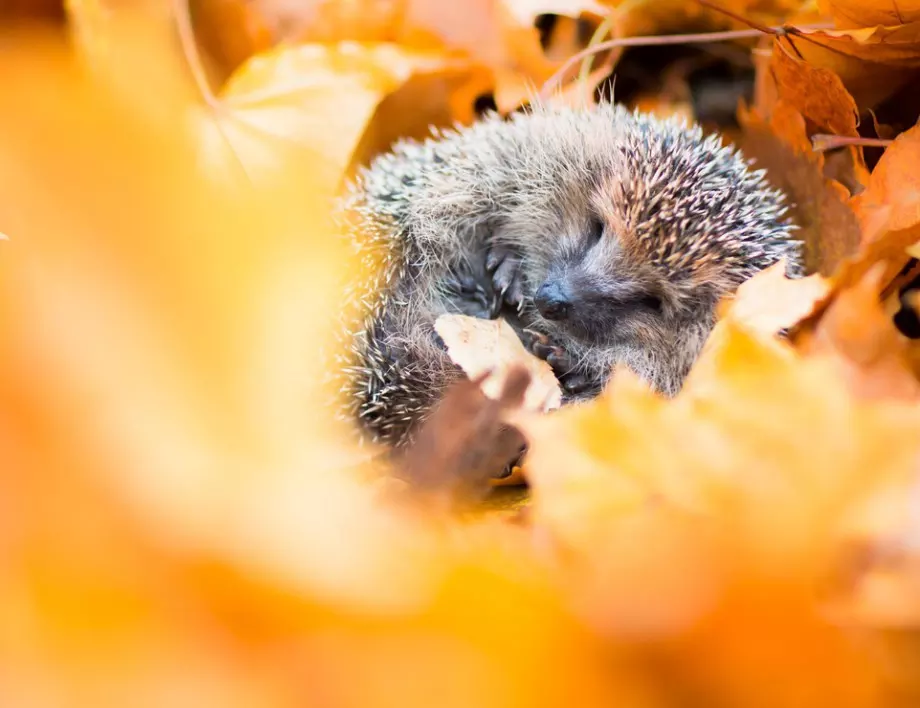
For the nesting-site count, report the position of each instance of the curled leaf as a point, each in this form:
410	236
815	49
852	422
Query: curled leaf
491	350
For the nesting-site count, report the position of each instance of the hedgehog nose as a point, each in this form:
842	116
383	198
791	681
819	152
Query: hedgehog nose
552	301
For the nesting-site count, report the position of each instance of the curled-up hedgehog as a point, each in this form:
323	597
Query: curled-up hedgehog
605	237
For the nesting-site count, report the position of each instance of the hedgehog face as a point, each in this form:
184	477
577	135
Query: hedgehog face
590	291
592	286
632	228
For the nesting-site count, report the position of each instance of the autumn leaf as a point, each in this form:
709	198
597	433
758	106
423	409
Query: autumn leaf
888	214
491	348
871	63
891	202
816	91
853	14
266	100
771	302
826	224
185	521
878	361
701	480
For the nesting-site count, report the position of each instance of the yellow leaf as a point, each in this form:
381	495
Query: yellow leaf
490	348
292	95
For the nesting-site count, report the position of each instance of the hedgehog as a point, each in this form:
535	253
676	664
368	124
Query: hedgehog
603	236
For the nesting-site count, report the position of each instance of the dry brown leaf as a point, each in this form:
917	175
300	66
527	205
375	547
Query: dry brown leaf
848	167
891	201
872	63
814	90
230	31
827	225
491	348
888	212
464	443
855	14
859	337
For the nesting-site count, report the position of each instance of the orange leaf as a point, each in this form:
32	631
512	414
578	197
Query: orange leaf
891	201
230	31
739	485
876	360
817	92
872	63
819	208
854	14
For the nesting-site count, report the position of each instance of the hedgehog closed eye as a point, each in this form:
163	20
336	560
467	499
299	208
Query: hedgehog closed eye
651	302
595	231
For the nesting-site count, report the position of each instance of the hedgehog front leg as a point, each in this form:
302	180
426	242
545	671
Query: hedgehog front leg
576	383
504	265
469	291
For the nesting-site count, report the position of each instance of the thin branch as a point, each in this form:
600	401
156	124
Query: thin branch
646	41
603	29
821	142
190	51
193	58
738	18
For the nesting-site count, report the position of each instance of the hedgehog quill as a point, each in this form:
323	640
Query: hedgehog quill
602	235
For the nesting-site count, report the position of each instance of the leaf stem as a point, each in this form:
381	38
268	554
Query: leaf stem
821	142
645	41
190	50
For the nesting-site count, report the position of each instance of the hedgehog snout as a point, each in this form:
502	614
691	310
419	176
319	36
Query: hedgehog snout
553	300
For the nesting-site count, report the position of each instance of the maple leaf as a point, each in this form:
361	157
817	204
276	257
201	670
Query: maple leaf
491	349
737	516
891	201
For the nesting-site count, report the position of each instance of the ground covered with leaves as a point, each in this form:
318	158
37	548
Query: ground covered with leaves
181	521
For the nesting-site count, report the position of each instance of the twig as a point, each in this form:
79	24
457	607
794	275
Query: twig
738	18
190	51
199	76
821	142
645	41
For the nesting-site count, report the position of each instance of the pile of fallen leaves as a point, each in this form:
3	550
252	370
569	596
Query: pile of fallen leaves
181	523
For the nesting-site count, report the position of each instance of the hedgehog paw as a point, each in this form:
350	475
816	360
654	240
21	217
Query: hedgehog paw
470	296
574	383
514	462
507	277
